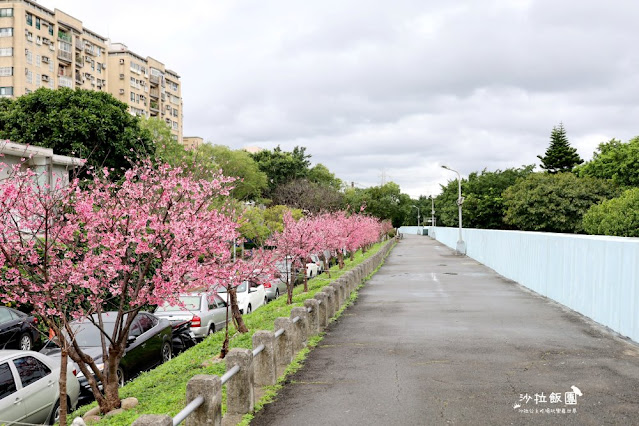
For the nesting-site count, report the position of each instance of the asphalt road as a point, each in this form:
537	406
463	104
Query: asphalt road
436	338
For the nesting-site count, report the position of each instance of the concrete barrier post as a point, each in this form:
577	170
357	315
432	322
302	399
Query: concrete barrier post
210	412
331	301
284	344
265	368
313	316
322	298
339	293
240	396
153	420
302	328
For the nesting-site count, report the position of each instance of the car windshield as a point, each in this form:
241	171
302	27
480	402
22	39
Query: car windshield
240	289
88	335
191	303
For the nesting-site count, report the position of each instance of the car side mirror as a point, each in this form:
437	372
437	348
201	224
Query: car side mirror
130	340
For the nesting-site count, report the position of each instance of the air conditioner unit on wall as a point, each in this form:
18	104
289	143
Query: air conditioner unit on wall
122	91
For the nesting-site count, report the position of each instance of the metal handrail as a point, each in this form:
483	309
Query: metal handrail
190	408
296	319
232	372
259	349
279	332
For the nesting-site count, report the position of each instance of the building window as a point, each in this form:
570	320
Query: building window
6	71
6	91
29	57
51	66
38	60
99	67
27	91
132	97
6	51
37	23
6	32
29	76
6	11
29	19
50	29
51	84
38	80
175	125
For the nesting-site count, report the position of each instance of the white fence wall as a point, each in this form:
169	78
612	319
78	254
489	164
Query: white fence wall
593	275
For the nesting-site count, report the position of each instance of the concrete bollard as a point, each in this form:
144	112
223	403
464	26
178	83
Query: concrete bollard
323	309
302	328
210	412
313	316
240	396
339	293
331	301
153	420
264	365
284	343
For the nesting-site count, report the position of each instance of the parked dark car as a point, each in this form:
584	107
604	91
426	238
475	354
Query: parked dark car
149	345
17	330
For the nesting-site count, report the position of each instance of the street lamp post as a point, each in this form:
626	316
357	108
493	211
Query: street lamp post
417	219
432	217
461	245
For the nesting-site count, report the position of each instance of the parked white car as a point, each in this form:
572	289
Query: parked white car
250	296
205	311
320	265
29	389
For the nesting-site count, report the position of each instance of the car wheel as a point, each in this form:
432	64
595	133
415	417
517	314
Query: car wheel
166	352
55	414
121	376
249	309
211	329
277	293
26	342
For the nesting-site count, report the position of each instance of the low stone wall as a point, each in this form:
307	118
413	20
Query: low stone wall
271	350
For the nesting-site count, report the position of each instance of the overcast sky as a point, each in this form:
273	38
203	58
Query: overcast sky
391	88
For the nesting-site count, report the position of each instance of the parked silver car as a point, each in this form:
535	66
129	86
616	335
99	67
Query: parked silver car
277	286
29	389
206	311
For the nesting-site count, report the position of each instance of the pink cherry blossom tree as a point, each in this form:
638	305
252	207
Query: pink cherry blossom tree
76	251
295	244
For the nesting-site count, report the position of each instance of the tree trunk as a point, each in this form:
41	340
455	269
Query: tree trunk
352	256
63	385
111	387
289	287
327	267
225	344
237	316
340	259
305	283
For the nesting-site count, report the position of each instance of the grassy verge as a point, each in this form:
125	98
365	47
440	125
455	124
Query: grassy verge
163	390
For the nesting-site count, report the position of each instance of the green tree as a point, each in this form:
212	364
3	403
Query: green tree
258	224
618	216
320	175
560	156
236	163
81	123
385	202
553	202
614	160
167	149
282	166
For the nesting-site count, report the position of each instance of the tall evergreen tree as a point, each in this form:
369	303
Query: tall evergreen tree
560	156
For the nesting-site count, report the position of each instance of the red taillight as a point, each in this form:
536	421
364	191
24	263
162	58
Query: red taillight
35	320
75	372
267	285
196	321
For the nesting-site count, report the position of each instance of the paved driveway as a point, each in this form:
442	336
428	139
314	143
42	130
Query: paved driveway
436	338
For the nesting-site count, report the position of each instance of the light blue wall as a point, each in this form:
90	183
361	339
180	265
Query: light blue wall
594	275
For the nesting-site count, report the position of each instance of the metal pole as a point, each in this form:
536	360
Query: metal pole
461	245
432	217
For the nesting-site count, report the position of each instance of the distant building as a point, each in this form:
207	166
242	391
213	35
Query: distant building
192	142
252	149
49	48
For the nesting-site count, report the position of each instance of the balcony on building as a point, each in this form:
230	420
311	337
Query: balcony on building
154	80
155	107
64	81
79	43
64	37
79	60
154	93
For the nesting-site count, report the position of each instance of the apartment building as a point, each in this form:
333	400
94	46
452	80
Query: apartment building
150	89
49	48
